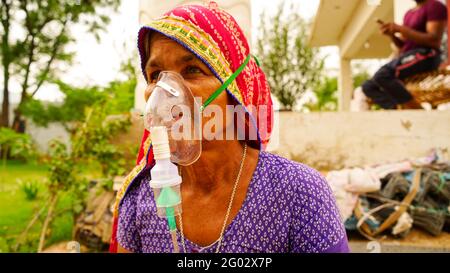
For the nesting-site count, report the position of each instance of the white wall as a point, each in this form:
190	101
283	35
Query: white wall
400	9
333	140
43	135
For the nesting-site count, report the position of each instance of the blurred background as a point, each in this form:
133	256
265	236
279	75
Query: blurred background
72	95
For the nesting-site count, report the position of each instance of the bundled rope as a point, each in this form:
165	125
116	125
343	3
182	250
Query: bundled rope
396	185
362	216
426	199
433	222
437	185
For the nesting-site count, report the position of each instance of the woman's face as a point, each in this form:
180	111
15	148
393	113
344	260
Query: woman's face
168	55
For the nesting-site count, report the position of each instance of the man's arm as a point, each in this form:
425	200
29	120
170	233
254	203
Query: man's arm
431	38
398	42
387	29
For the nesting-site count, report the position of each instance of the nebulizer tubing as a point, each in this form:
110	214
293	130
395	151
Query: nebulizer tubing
165	182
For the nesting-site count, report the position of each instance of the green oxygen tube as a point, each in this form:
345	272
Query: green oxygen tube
169	199
165	182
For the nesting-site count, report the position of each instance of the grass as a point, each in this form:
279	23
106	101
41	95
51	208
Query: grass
16	211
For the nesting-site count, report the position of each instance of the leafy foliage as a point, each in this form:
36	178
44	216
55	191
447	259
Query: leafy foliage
30	189
326	96
291	65
326	91
360	77
17	145
118	98
91	144
35	37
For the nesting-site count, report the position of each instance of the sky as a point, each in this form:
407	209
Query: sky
98	62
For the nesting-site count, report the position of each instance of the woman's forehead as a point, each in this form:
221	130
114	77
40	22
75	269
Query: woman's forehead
157	39
158	46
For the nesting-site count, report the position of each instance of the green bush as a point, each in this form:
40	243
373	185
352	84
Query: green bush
16	145
30	189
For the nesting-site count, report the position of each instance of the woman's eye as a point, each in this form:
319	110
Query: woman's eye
192	70
154	76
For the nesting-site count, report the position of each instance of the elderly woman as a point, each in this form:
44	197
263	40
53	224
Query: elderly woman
235	197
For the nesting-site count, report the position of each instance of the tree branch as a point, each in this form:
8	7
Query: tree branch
30	224
47	221
28	67
52	58
5	20
31	33
6	61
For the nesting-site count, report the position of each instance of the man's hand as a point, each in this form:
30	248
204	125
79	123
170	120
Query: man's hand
389	29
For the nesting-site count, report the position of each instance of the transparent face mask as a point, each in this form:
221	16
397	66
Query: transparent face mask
172	104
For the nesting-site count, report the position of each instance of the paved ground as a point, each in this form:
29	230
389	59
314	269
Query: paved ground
416	241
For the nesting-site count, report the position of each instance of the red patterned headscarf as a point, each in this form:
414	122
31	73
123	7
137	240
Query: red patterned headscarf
216	39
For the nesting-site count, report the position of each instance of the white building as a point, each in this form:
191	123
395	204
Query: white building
351	25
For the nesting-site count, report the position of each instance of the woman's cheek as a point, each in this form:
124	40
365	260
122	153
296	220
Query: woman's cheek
204	87
148	91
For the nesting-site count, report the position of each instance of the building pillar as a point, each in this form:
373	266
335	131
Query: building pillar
345	84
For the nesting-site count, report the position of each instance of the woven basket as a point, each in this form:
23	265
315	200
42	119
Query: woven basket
431	87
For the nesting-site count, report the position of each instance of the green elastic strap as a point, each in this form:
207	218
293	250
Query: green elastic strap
256	60
227	82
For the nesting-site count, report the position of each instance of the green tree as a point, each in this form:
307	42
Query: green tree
35	35
326	91
326	96
291	65
360	77
119	97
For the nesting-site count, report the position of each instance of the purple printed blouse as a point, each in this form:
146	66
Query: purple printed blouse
289	207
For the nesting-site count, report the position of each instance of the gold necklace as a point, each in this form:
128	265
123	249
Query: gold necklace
227	215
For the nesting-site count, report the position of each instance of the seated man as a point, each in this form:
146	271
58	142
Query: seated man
419	40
